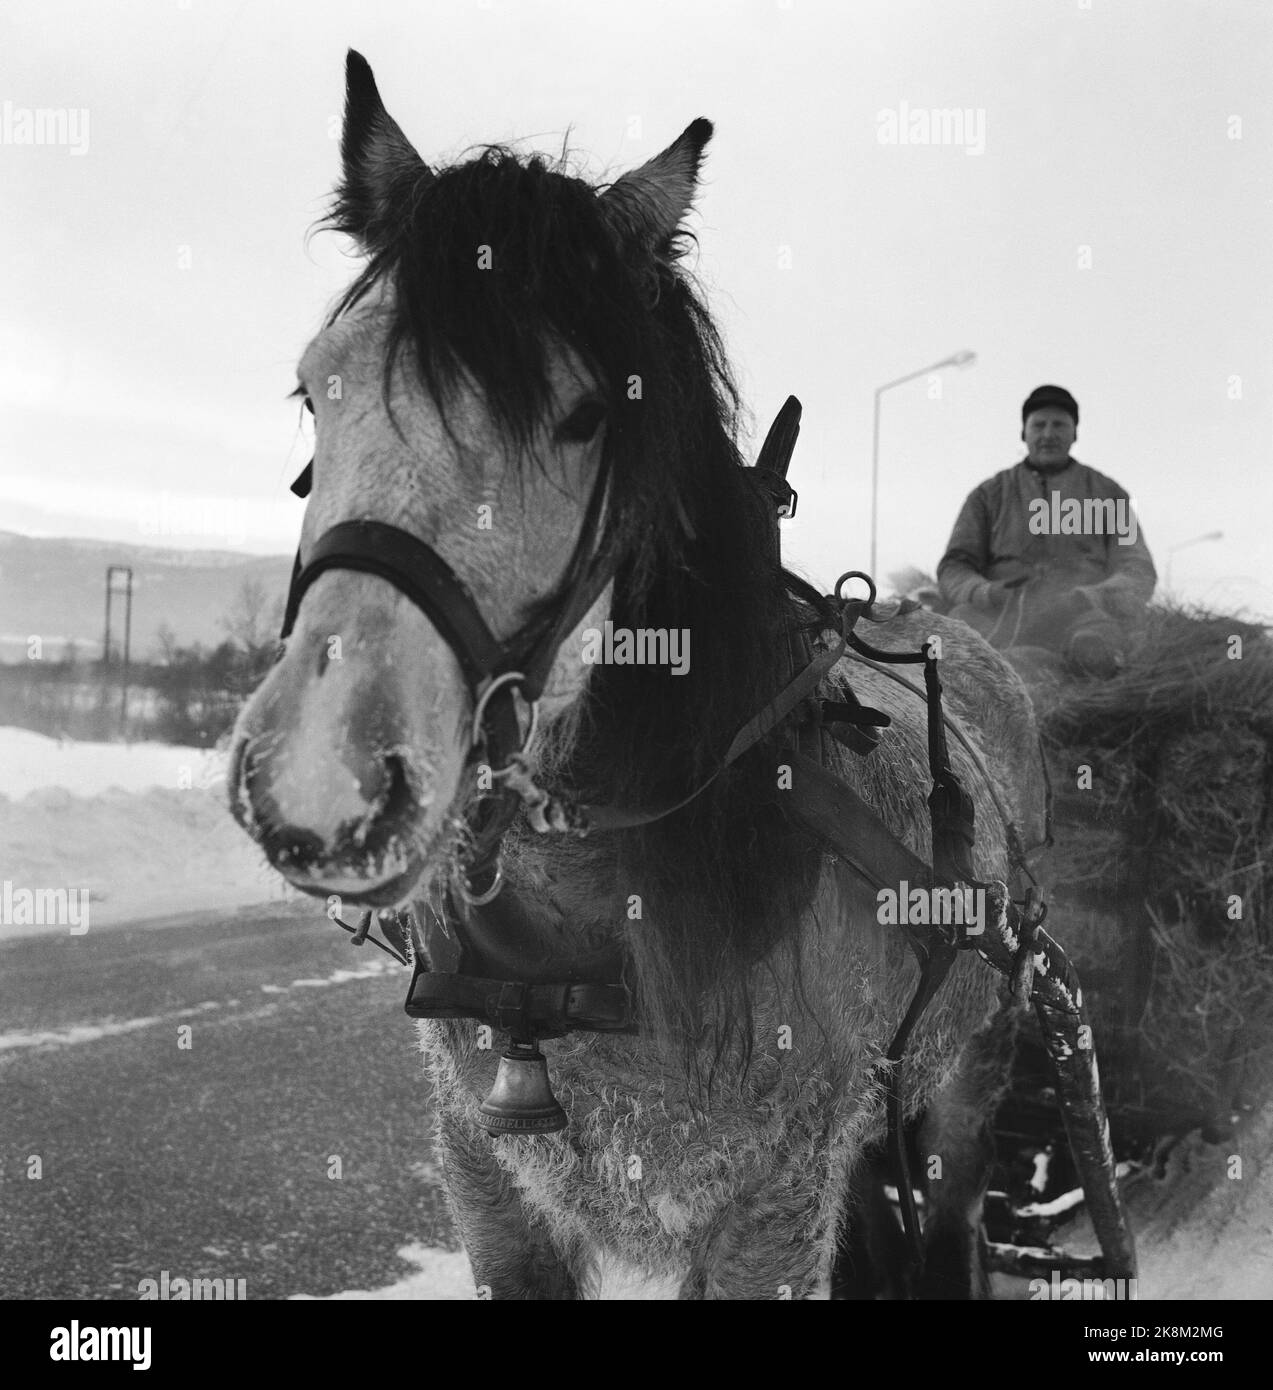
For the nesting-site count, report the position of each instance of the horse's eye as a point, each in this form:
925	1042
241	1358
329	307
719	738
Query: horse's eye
582	423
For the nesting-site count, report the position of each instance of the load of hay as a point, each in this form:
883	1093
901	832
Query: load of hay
1162	871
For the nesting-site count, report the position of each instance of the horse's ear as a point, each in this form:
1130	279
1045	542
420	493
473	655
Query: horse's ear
647	205
379	163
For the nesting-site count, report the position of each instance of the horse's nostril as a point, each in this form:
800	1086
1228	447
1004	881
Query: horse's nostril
397	772
289	847
388	802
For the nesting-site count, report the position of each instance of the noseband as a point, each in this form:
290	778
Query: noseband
492	669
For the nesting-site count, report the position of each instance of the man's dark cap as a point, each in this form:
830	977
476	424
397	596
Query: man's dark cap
1044	396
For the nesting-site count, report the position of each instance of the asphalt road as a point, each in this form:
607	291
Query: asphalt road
211	1160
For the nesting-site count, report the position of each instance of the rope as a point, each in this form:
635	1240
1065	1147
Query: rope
362	932
1017	596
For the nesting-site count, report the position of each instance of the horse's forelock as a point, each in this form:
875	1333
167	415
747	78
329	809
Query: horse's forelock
493	261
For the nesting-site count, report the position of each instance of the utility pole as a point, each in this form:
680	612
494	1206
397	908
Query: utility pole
127	594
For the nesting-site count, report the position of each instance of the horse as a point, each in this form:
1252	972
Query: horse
525	379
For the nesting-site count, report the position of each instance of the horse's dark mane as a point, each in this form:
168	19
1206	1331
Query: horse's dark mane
720	881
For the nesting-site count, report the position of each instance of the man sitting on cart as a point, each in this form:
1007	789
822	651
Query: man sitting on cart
1049	552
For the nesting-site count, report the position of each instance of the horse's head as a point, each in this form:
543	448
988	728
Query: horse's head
483	387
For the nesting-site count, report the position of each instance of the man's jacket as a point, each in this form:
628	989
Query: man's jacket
998	536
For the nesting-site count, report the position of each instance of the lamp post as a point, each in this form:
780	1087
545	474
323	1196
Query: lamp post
958	359
1181	545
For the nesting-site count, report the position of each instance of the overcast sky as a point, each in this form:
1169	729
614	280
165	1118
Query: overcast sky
1102	220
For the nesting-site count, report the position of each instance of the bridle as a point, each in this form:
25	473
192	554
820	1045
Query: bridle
494	671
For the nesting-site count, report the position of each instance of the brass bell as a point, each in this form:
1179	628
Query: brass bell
521	1100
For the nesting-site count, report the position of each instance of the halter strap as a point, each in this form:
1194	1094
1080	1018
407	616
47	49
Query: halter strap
491	669
416	570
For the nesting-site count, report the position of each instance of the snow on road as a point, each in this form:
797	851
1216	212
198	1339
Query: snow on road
439	1274
111	1027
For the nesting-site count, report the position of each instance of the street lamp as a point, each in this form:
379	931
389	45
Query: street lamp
1180	545
958	359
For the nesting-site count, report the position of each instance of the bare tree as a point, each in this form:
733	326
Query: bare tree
166	641
254	619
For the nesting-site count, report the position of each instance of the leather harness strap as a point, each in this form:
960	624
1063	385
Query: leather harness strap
833	811
855	832
524	1010
416	570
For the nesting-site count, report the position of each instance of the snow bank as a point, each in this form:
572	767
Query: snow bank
33	762
144	828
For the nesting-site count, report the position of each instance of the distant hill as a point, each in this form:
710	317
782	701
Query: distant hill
56	589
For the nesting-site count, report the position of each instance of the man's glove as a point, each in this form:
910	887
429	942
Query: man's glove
1091	595
993	594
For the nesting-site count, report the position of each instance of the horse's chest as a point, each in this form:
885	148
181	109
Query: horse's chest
604	1276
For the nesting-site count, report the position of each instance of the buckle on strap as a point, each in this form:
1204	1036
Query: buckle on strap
509	1010
497	684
